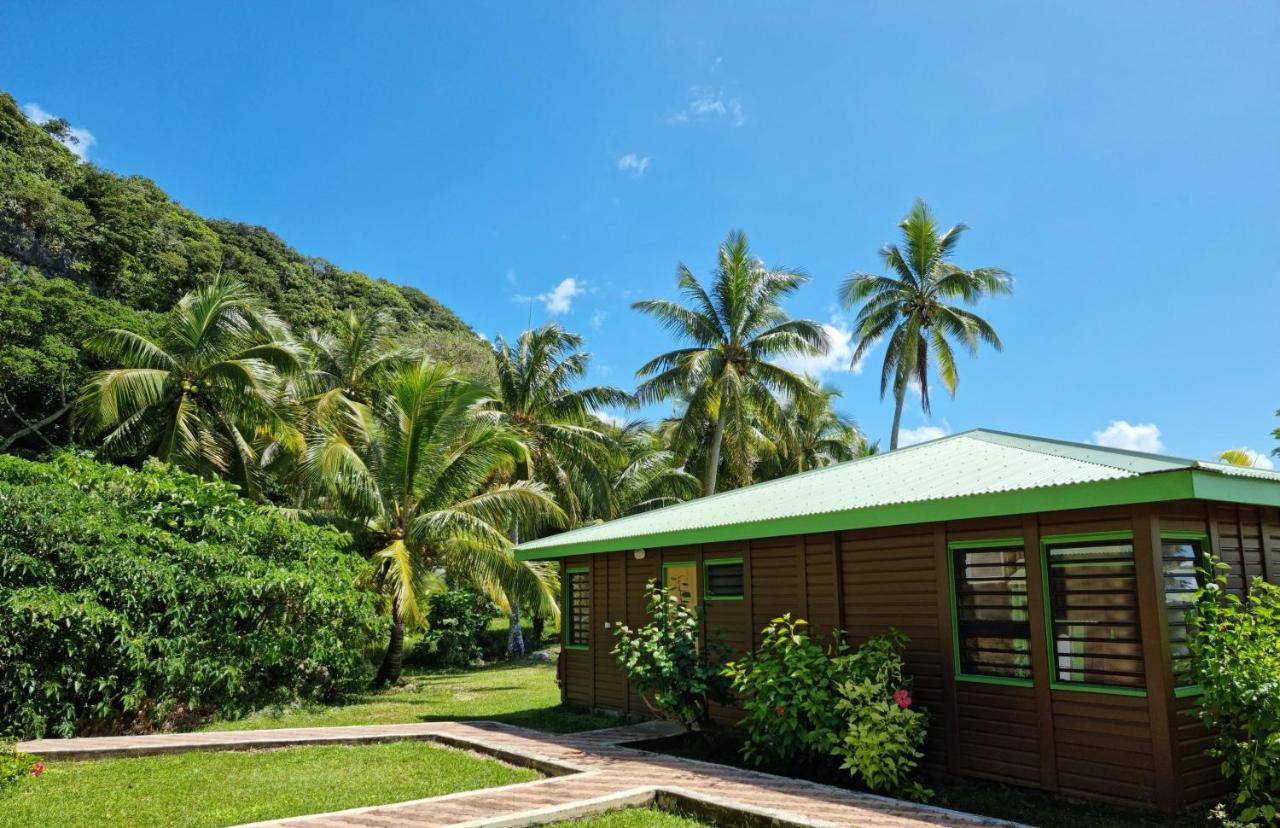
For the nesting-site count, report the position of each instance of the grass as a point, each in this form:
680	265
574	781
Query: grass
634	818
212	789
521	693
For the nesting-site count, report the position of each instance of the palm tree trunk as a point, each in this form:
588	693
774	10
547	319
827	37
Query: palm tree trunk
539	628
515	638
389	672
713	453
898	395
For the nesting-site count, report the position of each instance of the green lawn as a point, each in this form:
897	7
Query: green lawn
524	693
634	818
217	789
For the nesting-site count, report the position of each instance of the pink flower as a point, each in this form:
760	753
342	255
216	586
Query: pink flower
902	698
37	769
778	711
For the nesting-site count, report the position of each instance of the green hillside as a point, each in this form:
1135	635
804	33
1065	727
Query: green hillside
82	248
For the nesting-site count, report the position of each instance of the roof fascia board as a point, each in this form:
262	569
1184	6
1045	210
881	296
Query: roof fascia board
1148	488
1232	489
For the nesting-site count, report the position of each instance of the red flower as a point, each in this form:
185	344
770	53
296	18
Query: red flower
903	699
778	711
37	769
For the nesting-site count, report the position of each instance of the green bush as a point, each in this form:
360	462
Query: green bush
456	624
666	666
788	688
1236	656
145	598
881	732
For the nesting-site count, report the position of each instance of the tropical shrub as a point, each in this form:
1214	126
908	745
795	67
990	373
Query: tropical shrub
142	598
881	733
1236	658
16	766
456	624
665	664
789	694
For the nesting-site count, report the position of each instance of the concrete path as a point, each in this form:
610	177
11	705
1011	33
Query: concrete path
587	773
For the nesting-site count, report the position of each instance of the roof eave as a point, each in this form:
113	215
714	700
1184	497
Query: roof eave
1148	488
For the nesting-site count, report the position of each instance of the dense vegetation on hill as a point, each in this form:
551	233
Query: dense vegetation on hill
81	247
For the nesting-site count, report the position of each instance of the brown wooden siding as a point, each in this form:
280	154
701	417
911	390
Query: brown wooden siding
1083	743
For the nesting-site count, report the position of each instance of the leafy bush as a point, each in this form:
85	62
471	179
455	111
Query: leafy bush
456	624
665	664
881	733
15	766
788	688
1236	657
139	598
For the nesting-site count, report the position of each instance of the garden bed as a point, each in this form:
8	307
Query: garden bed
722	746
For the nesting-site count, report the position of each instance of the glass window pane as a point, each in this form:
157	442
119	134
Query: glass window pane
1181	581
993	627
724	580
1093	606
579	608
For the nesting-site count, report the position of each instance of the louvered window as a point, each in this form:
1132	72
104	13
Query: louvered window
1093	608
993	629
579	587
723	579
1181	581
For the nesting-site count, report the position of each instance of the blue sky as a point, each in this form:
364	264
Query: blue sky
1121	160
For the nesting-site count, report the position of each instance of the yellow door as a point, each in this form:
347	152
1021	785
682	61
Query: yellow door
682	579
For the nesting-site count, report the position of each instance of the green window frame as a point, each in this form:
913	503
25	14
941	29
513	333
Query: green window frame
1067	609
708	582
577	602
1182	576
966	609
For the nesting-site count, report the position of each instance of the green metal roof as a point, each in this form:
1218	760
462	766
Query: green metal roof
973	474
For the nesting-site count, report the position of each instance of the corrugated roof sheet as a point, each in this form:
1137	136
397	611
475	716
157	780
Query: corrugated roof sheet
971	463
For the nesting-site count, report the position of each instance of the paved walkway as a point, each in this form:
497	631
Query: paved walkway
587	773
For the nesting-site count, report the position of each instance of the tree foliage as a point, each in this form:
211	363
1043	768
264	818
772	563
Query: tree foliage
909	309
135	598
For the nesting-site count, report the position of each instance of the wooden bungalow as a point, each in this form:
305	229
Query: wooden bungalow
1044	586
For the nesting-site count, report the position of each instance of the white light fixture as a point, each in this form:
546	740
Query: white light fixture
639	554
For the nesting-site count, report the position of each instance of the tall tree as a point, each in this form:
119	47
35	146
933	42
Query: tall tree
567	450
910	307
347	365
419	486
735	331
817	435
644	475
204	395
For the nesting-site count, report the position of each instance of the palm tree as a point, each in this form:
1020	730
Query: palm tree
419	487
1239	457
910	308
817	436
644	475
735	330
205	395
348	364
567	450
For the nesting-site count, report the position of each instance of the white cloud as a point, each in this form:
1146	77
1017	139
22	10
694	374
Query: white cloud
837	358
711	104
78	139
612	419
911	436
511	277
560	298
634	164
598	318
1120	434
1256	459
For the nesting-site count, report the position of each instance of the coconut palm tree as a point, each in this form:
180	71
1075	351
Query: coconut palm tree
419	487
735	331
817	436
205	395
644	474
910	308
347	365
568	452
